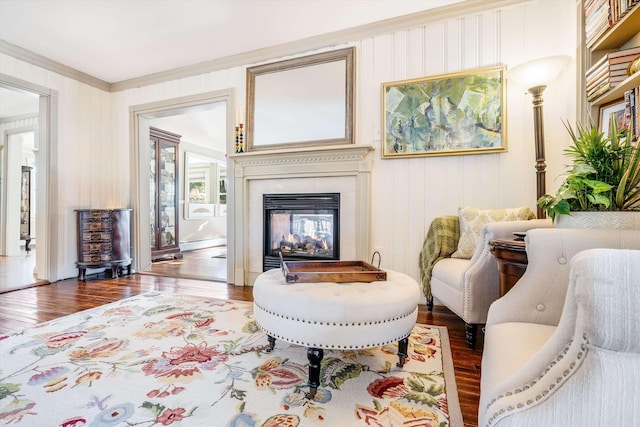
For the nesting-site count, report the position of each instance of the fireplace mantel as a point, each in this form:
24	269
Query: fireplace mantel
342	168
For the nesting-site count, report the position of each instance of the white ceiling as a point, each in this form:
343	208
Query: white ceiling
117	40
206	128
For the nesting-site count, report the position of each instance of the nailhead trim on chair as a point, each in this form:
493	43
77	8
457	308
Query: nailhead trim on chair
545	392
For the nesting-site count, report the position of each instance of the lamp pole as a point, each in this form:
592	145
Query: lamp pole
535	75
541	166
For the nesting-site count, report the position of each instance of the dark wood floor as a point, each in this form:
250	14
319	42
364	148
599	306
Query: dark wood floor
26	307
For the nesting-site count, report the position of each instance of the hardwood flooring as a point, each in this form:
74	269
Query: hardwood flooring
24	308
205	264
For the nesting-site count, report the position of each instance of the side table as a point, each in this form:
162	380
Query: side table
511	256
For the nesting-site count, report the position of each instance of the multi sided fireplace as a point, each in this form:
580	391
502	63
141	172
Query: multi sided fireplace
301	227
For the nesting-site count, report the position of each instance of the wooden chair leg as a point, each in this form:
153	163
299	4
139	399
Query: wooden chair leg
403	344
314	355
471	333
272	343
430	304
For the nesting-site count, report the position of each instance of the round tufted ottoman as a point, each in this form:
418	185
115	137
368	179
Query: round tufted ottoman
342	316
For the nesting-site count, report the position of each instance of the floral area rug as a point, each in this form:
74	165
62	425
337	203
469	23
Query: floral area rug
159	359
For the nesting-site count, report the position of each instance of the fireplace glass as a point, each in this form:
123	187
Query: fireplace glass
301	227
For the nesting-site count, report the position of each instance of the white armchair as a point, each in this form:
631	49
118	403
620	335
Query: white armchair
465	286
565	352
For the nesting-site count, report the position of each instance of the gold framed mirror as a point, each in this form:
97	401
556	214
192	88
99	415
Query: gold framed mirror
301	101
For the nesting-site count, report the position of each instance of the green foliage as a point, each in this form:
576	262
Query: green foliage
335	372
7	389
155	408
159	309
420	393
251	327
422	398
604	174
238	394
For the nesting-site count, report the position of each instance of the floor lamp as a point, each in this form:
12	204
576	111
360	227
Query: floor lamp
535	75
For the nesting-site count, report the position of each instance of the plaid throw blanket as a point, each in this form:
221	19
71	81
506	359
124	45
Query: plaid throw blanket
441	241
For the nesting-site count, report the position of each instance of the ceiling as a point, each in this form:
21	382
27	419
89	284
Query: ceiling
117	40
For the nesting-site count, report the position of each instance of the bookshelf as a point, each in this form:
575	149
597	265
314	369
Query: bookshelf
620	33
605	41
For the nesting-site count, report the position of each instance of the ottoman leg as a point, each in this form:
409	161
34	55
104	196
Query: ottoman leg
272	343
402	351
315	356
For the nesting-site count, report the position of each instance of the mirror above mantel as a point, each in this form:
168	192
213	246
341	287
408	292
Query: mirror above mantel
301	102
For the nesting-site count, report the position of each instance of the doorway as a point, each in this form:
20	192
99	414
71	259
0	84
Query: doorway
165	115
36	123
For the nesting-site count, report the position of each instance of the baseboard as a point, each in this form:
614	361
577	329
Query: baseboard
202	244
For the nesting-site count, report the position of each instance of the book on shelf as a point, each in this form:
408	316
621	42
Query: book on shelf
626	55
609	71
631	111
620	72
601	15
637	112
596	90
619	8
615	57
596	19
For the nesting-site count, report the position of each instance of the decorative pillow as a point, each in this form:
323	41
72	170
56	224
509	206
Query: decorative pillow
472	220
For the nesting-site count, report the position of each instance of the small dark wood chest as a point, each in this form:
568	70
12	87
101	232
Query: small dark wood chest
104	240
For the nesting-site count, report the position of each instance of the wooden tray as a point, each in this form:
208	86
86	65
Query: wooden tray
331	271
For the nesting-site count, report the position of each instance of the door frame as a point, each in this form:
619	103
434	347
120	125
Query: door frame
139	116
49	244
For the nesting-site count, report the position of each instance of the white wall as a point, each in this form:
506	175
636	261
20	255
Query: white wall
409	193
92	169
94	131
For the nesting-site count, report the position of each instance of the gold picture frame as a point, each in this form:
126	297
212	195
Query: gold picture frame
301	102
449	114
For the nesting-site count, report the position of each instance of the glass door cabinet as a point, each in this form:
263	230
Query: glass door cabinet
163	194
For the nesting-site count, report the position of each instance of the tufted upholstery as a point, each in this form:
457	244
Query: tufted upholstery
336	315
468	286
562	343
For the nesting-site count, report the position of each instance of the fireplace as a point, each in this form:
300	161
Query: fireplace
303	226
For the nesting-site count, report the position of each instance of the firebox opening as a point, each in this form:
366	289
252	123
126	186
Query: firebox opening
301	227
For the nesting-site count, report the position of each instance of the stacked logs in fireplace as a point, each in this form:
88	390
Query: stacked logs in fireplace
303	226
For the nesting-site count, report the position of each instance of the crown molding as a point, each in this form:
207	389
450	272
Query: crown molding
50	65
324	41
328	40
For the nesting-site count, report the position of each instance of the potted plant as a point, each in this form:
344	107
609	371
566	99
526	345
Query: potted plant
604	174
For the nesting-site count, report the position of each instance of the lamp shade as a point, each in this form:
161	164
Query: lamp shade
538	72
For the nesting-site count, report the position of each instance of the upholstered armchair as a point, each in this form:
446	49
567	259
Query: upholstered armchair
457	267
582	369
